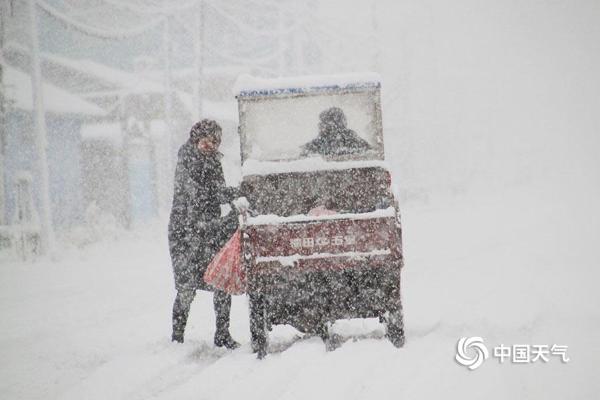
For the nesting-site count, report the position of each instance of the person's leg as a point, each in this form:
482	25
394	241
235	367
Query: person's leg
222	306
181	310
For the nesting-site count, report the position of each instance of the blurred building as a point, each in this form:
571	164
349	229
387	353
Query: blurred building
65	115
127	152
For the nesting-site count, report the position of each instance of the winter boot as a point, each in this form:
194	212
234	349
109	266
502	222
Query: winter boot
224	339
222	305
179	323
177	337
181	309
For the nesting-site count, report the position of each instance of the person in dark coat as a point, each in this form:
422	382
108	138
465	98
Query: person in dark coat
334	138
196	229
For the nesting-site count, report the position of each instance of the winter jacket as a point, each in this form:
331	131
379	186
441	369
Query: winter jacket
341	142
196	229
334	137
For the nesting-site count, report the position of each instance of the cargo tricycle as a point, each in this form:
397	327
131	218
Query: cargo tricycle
323	241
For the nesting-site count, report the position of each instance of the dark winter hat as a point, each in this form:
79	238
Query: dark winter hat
205	128
333	116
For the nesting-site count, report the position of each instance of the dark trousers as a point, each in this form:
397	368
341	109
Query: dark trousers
181	310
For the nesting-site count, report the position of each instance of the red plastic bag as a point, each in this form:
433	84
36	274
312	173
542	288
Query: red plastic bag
226	270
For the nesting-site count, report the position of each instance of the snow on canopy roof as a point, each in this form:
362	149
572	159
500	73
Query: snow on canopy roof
56	100
247	85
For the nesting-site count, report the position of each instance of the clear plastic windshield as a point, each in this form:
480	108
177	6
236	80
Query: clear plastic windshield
288	127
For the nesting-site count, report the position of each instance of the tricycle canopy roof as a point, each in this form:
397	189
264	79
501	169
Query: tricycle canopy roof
336	118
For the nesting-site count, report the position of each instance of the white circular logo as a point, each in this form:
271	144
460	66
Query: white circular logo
472	361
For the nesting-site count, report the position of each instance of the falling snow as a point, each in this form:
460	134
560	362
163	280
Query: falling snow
465	162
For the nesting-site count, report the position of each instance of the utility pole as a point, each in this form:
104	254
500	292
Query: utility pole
39	119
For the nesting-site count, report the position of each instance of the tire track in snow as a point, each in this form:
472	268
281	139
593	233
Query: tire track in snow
146	372
169	378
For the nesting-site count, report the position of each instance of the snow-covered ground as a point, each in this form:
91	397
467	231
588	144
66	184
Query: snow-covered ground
517	266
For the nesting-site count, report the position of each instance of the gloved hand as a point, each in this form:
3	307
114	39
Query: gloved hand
241	204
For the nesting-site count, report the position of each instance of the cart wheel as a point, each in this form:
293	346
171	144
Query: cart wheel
395	327
258	326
